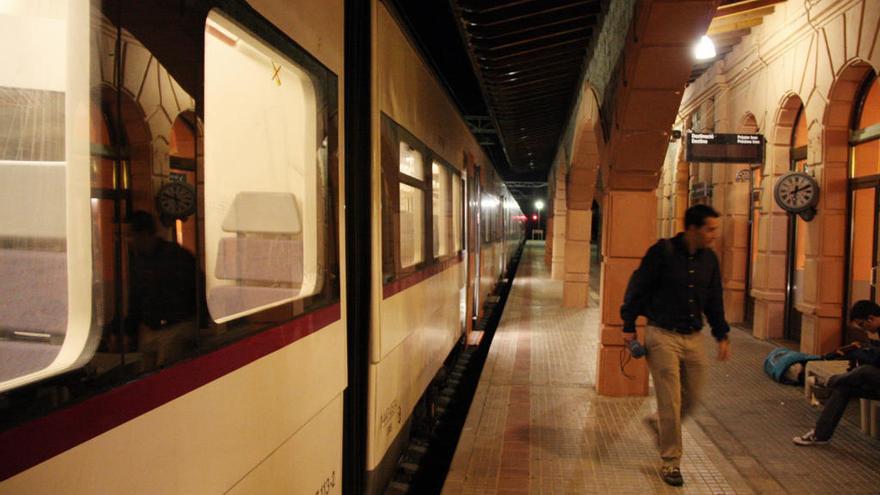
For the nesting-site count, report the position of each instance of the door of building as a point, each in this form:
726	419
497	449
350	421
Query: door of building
754	223
864	261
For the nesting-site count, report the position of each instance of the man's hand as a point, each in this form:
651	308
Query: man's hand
627	336
723	350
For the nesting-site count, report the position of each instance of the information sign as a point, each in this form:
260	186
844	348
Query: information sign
713	147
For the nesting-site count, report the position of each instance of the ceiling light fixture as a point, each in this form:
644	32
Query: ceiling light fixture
705	49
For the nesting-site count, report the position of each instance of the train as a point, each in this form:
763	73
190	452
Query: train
238	241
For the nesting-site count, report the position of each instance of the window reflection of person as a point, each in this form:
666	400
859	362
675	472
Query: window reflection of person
162	294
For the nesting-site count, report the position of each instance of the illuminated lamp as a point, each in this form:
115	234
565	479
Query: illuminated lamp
705	49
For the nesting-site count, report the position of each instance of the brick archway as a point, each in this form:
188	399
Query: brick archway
834	209
769	273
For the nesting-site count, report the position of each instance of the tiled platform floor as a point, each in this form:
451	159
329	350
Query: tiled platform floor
537	426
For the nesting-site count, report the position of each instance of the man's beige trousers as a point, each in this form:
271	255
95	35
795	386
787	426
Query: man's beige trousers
678	365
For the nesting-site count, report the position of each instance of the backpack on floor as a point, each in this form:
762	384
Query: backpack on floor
787	366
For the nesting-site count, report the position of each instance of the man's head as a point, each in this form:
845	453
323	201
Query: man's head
143	232
701	225
866	315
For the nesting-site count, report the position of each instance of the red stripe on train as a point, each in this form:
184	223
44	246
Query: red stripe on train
408	281
31	443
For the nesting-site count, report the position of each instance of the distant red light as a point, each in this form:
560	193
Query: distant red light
534	217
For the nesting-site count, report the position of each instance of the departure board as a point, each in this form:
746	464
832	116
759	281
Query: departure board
713	147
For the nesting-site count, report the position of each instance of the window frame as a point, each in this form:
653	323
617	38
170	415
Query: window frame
391	135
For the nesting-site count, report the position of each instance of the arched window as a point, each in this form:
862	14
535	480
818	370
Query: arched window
864	173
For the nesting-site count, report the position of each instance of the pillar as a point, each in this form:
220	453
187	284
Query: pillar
734	245
557	260
627	234
579	220
548	241
769	274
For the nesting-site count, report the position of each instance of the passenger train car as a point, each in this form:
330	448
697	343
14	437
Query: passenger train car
178	251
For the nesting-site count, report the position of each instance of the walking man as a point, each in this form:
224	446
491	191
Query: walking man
677	282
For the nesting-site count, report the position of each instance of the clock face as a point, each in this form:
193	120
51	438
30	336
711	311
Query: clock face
176	199
796	192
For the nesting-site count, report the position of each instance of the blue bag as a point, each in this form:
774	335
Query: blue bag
780	359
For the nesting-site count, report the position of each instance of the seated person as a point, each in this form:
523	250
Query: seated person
862	381
162	293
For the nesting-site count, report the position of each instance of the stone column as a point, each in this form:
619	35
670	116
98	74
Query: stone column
769	275
734	244
627	234
826	236
579	220
557	261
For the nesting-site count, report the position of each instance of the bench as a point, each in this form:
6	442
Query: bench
820	372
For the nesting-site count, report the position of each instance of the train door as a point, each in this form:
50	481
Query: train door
460	231
474	242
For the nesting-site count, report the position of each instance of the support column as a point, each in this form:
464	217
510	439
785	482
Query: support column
627	234
824	276
769	275
548	241
557	261
734	239
579	220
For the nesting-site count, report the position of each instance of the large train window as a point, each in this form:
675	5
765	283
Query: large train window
265	175
45	241
416	230
151	208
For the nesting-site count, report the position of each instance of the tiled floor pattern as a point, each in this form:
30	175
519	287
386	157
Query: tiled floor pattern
752	420
537	426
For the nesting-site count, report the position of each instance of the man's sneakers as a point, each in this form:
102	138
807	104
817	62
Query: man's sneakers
808	439
672	476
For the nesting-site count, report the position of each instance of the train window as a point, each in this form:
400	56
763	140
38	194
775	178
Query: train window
412	206
121	249
489	217
265	175
440	209
411	163
45	227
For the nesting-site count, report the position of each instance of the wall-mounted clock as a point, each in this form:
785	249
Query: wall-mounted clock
797	192
176	200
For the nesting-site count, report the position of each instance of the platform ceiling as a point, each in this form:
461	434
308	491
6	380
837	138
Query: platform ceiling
515	66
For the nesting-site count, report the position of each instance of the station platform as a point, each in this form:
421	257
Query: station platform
537	426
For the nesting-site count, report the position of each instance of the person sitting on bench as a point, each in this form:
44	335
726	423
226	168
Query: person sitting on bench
862	381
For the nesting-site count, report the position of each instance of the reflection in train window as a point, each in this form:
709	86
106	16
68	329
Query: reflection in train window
265	175
45	246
